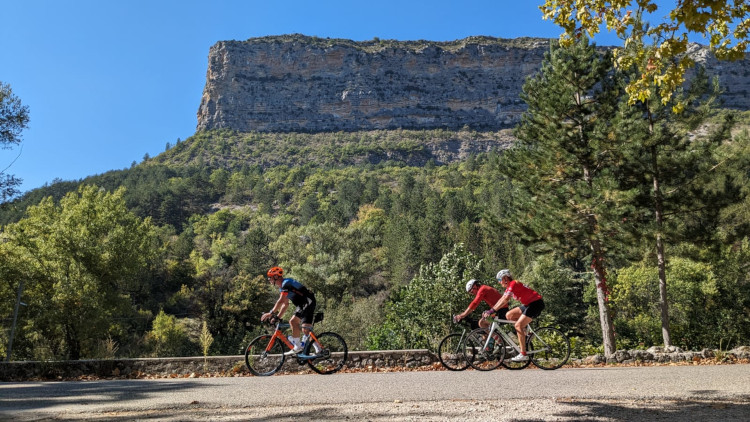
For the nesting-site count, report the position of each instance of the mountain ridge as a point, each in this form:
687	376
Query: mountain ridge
297	83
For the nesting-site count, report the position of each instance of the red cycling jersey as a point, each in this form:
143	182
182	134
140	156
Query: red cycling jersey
488	294
521	293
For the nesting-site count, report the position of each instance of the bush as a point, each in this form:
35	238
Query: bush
167	337
419	314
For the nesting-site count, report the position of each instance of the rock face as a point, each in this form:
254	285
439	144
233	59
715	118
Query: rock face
308	84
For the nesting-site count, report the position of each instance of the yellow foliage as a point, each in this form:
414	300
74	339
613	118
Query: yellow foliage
724	23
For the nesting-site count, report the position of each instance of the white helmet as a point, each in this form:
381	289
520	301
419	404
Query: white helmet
503	273
469	285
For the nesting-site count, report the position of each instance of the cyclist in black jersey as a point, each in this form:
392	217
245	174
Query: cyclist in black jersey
292	290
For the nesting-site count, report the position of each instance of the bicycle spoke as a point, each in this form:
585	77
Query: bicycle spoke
332	355
451	354
549	348
261	362
510	353
483	355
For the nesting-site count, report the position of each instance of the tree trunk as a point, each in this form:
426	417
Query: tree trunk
600	277
660	258
74	345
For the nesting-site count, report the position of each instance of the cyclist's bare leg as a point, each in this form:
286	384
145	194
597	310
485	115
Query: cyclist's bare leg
513	314
520	325
294	322
485	323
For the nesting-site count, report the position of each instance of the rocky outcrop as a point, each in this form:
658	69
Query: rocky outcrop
308	84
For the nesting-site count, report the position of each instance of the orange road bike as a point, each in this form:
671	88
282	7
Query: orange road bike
324	353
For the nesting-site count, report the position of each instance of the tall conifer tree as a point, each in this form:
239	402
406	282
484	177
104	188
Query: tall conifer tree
563	167
671	167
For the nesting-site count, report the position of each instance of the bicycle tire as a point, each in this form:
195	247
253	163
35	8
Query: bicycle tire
450	354
477	357
332	358
555	348
263	363
510	352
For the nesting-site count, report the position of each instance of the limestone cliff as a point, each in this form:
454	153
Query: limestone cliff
309	84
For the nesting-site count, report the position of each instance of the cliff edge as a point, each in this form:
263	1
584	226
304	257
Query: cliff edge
309	84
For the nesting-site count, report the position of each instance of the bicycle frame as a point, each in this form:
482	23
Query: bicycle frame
509	340
278	334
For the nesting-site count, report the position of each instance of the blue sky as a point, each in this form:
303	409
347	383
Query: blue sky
107	82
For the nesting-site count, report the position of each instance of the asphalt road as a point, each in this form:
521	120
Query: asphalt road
722	391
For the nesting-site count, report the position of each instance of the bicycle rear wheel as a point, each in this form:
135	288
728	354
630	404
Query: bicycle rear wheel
550	348
332	356
261	362
451	354
480	357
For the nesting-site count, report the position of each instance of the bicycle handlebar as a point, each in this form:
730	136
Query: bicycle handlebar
273	320
466	321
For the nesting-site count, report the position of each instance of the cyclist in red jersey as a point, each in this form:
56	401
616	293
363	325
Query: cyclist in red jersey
531	307
488	294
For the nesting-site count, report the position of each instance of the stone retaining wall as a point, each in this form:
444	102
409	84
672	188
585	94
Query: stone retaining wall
186	366
364	360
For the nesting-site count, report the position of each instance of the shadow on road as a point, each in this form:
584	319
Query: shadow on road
42	395
650	410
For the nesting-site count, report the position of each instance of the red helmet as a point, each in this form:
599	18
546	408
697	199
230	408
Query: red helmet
276	271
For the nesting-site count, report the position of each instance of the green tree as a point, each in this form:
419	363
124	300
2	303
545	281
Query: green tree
670	167
82	261
734	181
563	165
14	118
419	313
693	294
563	293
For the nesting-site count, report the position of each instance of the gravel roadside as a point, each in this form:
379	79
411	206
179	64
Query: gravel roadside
451	410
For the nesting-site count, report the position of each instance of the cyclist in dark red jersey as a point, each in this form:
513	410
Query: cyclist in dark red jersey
531	307
481	293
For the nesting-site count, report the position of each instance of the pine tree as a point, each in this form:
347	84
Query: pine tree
566	198
670	169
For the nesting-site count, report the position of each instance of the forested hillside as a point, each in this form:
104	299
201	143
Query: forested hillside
386	227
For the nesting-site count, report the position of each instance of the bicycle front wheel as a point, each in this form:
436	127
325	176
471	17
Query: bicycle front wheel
549	348
451	354
483	355
332	355
262	360
510	353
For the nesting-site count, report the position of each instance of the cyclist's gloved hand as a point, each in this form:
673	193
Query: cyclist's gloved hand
456	318
488	313
270	316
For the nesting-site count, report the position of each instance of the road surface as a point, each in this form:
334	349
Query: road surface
684	393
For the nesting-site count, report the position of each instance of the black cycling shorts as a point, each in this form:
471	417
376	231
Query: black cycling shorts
534	309
306	312
501	313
